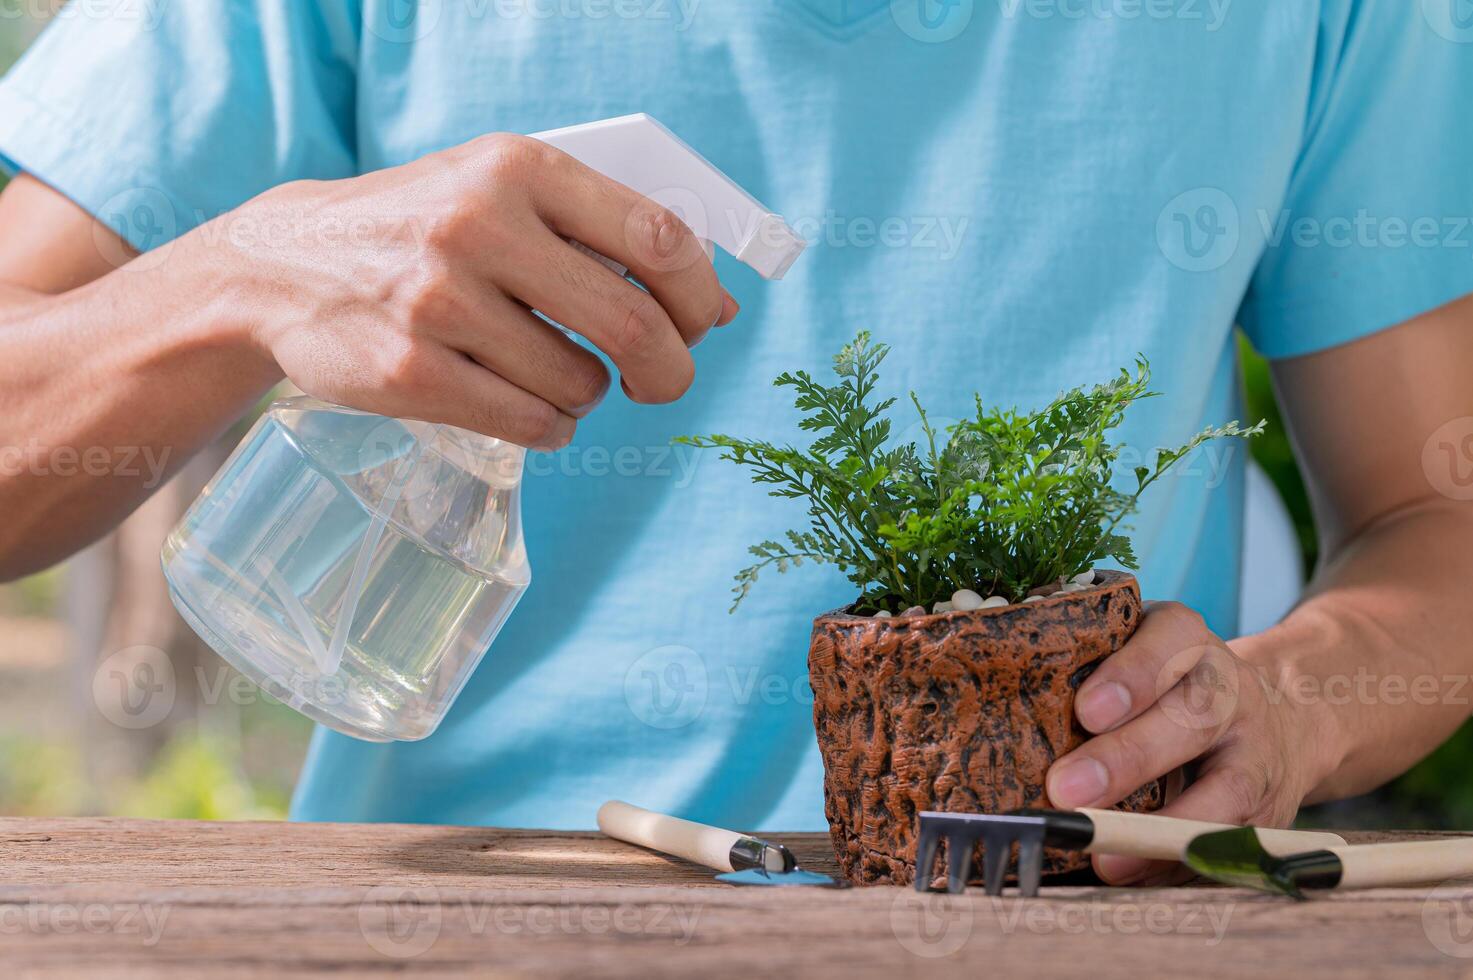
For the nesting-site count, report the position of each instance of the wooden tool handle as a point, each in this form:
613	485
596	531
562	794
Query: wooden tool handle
709	846
1404	863
1150	835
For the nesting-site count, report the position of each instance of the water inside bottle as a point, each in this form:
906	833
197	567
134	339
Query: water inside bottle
354	566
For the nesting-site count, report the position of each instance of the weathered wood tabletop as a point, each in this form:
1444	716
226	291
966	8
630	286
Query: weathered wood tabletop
158	898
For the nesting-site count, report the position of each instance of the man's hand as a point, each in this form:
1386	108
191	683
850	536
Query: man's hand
1282	717
409	292
1175	694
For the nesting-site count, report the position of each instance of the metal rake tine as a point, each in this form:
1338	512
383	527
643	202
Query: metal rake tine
926	855
997	844
1030	864
958	861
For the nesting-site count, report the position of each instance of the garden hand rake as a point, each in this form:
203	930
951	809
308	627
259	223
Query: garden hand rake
1142	835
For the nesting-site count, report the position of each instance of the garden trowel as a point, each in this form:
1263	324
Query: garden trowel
741	858
1238	857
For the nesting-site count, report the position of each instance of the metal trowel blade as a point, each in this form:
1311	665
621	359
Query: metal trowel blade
1237	857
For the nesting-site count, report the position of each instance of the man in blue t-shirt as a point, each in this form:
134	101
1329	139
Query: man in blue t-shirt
1018	197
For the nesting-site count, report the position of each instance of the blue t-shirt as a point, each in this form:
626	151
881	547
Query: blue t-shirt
1017	196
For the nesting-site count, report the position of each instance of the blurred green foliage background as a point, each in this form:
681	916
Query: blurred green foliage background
238	760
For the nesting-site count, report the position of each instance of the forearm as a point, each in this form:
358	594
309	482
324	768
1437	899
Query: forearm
1377	654
108	388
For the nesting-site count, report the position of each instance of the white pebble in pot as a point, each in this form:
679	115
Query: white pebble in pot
993	601
1086	577
941	607
915	611
882	614
965	599
1034	598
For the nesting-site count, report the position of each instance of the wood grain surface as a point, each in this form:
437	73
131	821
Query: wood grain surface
81	897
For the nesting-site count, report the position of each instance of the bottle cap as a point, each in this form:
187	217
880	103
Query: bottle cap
642	154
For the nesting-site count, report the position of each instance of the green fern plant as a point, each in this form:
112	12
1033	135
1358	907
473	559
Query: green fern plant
1001	503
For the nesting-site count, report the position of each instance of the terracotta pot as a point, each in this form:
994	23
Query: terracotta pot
960	711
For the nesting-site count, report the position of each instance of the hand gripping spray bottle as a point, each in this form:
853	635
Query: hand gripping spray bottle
358	567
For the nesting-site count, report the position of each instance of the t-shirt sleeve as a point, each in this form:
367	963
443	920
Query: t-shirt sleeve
1375	228
157	117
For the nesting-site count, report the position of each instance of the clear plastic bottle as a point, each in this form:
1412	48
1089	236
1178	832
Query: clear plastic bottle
358	567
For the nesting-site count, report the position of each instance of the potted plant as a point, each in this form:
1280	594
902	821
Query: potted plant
948	684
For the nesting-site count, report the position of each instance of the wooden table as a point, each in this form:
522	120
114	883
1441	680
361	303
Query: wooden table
157	898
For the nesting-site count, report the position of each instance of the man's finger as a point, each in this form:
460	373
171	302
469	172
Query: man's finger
532	354
1168	644
1228	791
451	387
654	242
1109	767
618	317
1117	869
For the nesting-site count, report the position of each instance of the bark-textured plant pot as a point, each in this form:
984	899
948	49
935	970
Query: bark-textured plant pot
961	712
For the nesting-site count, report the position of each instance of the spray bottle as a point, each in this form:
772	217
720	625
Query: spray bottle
358	567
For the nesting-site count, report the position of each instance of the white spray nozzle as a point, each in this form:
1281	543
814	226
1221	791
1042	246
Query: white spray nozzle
645	156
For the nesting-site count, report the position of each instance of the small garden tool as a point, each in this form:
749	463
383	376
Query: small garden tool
1142	835
742	858
1238	856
